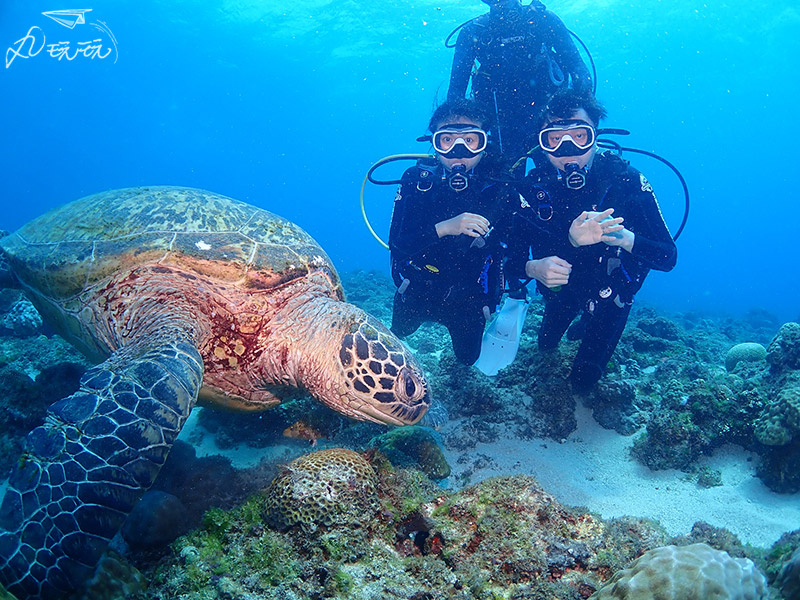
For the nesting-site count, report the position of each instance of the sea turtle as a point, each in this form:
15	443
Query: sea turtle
184	295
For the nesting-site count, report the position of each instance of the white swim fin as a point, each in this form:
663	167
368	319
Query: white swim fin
501	339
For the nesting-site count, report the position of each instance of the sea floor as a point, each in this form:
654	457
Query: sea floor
592	468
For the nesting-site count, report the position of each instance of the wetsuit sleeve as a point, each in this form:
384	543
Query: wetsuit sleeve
570	58
412	229
653	245
463	59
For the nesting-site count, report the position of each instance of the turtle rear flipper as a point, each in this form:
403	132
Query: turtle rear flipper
86	468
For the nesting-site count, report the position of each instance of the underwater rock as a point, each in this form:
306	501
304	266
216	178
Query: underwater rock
24	403
778	468
779	422
783	352
466	391
671	441
788	580
21	319
744	352
323	488
686	573
414	447
641	341
614	406
660	327
157	520
114	578
223	486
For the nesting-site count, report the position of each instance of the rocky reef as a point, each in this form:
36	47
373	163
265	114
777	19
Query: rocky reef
502	538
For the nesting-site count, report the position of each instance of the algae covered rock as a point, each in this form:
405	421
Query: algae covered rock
779	423
414	447
686	573
745	352
789	577
784	351
324	488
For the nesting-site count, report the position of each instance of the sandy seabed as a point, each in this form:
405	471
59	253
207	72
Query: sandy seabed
593	468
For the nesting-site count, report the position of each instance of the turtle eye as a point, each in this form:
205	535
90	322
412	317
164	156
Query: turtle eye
409	386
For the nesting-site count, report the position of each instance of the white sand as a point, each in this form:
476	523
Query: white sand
592	468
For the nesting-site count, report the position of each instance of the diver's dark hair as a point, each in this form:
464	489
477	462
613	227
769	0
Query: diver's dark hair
459	107
565	102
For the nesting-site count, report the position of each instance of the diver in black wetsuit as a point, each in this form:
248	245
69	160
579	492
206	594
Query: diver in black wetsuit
446	259
583	257
517	57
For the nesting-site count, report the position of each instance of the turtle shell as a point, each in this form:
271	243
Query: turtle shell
68	250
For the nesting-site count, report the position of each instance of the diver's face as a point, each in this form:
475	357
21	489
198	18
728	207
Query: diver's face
469	163
560	162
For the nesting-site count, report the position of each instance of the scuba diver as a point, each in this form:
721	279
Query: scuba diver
516	56
446	237
594	230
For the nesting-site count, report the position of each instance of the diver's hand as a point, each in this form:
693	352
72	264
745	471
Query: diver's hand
467	223
593	227
551	271
623	238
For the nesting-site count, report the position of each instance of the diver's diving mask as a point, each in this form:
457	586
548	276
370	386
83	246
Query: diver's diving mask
570	137
459	141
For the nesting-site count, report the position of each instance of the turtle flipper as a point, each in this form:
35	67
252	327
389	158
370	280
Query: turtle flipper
89	464
7	277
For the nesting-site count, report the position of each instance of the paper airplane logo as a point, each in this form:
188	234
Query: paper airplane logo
68	18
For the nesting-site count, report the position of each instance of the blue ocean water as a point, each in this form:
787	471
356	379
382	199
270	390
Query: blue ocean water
287	104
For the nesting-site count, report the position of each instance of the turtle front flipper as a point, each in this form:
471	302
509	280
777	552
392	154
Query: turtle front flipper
7	277
85	469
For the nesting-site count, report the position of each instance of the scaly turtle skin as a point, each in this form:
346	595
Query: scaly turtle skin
182	294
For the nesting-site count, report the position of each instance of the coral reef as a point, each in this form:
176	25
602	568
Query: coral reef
327	487
686	573
502	538
744	352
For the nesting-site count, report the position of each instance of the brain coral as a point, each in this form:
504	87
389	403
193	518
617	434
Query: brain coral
686	573
328	487
746	352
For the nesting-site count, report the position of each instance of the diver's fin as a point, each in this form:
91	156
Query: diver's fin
501	338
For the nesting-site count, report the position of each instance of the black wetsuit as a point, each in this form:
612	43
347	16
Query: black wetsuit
524	55
450	279
604	278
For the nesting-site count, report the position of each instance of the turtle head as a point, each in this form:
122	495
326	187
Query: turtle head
348	360
383	381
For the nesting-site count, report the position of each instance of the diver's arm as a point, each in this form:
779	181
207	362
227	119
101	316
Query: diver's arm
569	57
646	236
463	59
466	223
411	230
